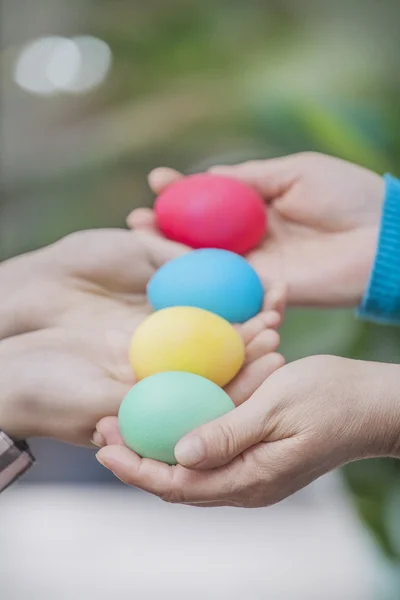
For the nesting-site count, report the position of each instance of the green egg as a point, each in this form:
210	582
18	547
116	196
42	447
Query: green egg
159	410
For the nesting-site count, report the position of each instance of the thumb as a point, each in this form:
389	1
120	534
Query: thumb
272	178
142	218
219	442
159	249
162	177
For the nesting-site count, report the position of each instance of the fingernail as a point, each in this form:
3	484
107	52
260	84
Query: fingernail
98	439
190	451
101	461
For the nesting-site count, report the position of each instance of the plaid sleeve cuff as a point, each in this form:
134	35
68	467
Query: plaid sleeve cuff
15	459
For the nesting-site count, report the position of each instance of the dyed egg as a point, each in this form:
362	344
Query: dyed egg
187	339
160	410
212	211
215	280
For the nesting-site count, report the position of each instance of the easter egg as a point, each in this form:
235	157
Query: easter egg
187	339
216	280
212	211
158	411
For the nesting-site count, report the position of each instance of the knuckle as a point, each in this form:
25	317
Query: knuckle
76	238
308	155
248	486
225	441
252	165
255	490
174	493
323	363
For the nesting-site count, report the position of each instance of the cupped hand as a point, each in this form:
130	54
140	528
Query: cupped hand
59	382
89	279
261	341
65	324
67	319
324	216
308	418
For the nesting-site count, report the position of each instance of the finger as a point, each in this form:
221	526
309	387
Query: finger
107	433
120	260
286	468
159	249
276	299
271	178
248	331
149	475
252	376
222	440
98	440
159	179
142	218
174	484
264	343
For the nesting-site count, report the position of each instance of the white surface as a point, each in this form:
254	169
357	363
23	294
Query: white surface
96	543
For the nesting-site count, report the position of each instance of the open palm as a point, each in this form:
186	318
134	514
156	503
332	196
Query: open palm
323	224
90	279
72	308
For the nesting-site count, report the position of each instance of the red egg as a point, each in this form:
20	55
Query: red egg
211	211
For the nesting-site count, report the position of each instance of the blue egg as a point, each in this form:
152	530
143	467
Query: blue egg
216	280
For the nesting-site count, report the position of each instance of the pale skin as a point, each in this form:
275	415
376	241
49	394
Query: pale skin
315	414
65	326
323	224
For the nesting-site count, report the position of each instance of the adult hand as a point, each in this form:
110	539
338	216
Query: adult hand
79	302
324	216
92	279
309	417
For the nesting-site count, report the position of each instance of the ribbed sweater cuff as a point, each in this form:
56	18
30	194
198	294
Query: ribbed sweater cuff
381	302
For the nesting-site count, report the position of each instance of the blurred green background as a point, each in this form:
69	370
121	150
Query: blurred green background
192	84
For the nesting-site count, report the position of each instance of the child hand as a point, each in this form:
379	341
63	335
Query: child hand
324	217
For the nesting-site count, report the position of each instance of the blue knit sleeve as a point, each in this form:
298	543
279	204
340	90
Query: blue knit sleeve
381	302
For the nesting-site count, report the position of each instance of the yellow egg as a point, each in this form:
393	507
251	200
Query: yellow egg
187	339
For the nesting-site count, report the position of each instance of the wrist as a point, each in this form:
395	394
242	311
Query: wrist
10	416
17	411
22	308
15	455
378	408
